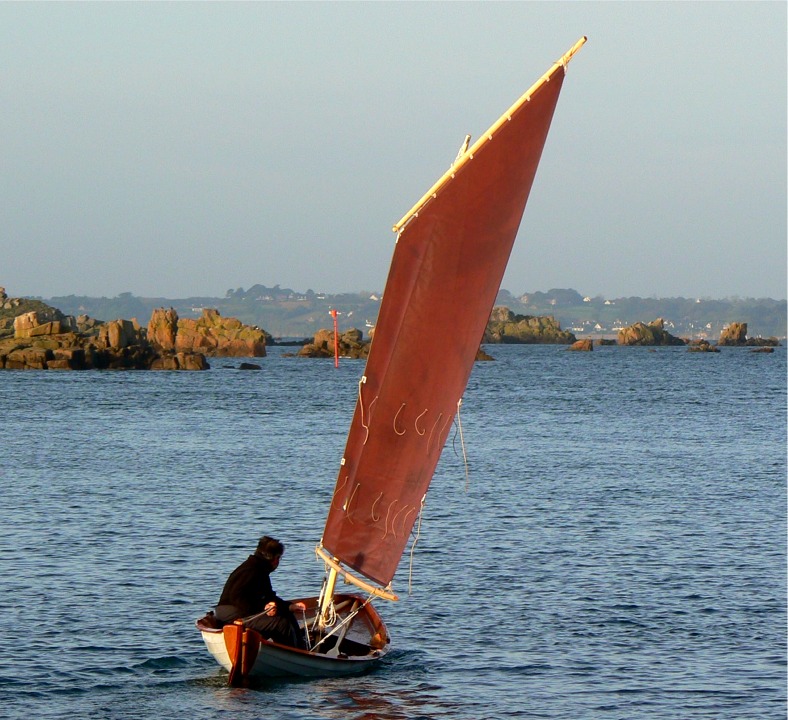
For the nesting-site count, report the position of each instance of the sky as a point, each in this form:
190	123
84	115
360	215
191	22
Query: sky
185	149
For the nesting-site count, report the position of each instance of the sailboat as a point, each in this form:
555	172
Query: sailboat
451	251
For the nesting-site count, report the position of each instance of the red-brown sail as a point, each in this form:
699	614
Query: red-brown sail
445	274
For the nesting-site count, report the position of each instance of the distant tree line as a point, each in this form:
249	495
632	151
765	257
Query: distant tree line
285	312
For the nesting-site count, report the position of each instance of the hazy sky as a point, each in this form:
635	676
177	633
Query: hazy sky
185	149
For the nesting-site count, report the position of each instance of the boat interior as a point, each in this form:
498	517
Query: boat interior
354	628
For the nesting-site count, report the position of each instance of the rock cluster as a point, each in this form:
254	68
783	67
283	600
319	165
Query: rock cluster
652	334
42	338
59	345
351	345
506	327
736	335
702	346
219	337
582	346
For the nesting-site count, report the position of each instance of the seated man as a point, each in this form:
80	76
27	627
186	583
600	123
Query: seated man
248	594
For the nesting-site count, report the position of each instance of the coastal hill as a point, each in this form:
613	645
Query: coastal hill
286	313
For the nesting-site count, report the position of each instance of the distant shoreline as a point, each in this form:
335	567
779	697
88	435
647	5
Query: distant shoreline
286	313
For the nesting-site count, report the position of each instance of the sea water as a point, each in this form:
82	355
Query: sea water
616	548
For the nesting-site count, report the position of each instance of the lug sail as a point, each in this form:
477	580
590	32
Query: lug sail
449	260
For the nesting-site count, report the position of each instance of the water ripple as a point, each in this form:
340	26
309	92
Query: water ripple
614	555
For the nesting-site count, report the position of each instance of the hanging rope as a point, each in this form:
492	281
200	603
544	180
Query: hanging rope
346	621
416	423
331	615
346	506
462	444
361	408
395	420
413	546
306	630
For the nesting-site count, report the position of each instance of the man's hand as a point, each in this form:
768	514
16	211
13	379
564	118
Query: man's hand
297	606
270	609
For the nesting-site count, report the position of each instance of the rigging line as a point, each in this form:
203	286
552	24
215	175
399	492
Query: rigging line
346	507
432	432
394	520
306	630
361	408
339	489
395	420
331	615
413	546
443	432
386	523
462	443
329	620
349	618
364	424
416	422
407	515
320	597
372	509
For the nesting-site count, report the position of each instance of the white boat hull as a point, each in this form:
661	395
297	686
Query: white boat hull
354	655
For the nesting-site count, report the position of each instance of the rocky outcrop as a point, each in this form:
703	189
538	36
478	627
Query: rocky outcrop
34	335
45	339
216	336
582	346
702	346
180	361
30	325
652	334
119	334
351	345
162	329
69	351
506	327
736	335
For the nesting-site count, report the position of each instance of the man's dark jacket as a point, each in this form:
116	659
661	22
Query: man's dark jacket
249	587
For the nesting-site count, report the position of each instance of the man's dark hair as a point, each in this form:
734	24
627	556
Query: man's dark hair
269	548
